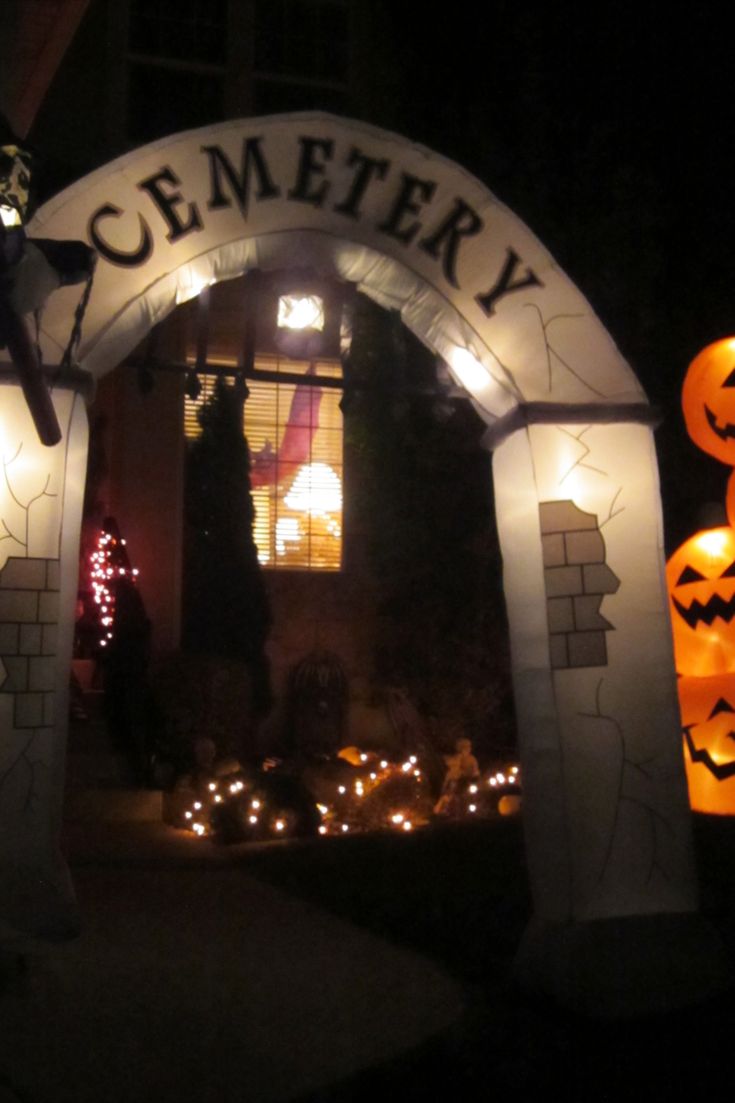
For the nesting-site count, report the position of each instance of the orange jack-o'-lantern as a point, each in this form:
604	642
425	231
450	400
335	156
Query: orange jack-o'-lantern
708	400
701	581
708	723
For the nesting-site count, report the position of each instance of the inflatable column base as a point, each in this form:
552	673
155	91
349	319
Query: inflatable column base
38	907
624	966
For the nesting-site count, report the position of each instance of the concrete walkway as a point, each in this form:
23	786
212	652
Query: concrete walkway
192	982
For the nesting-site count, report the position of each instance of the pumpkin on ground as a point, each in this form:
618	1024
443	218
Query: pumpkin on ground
701	581
708	400
708	725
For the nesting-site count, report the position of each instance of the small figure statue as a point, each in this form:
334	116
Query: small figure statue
462	768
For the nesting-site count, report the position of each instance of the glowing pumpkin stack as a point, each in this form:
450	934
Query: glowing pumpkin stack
701	582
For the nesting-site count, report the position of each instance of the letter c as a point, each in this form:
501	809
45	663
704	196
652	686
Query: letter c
136	256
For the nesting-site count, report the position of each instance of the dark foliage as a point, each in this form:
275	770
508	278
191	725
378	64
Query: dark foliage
424	495
226	606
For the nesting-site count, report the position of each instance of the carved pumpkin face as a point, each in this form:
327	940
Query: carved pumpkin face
701	580
708	400
708	724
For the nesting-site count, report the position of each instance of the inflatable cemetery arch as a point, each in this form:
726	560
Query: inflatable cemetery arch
576	487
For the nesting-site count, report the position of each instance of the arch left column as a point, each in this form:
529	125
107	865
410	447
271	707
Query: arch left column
41	497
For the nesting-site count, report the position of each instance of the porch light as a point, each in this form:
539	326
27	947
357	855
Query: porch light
15	171
301	312
305	316
9	216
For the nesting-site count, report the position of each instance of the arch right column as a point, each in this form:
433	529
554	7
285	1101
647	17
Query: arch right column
606	816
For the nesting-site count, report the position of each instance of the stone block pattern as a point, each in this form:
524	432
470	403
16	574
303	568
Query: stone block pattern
576	578
29	612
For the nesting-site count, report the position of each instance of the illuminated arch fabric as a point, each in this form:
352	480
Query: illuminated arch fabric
605	805
410	228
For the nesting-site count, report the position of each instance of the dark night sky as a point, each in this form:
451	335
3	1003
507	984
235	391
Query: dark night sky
611	135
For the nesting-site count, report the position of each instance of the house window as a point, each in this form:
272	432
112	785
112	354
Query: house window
177	58
195	30
301	55
295	435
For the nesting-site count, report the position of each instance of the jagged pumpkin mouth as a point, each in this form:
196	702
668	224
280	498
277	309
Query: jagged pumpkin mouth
698	613
720	770
724	432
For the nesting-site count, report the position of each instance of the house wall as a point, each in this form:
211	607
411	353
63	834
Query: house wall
88	117
143	491
143	441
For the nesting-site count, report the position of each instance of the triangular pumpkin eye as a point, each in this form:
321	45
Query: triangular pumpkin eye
729	572
730	381
690	575
721	706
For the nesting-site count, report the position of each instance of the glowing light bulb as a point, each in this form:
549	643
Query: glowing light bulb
363	757
712	543
473	788
407	826
212	786
397	817
322	830
468	369
197	805
341	789
255	804
279	825
345	827
252	819
473	808
300	312
188	815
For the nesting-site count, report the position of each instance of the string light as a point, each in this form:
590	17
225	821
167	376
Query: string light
107	563
368	802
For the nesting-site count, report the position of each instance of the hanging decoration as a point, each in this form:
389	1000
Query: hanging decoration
29	272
